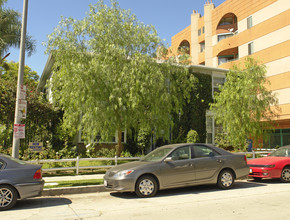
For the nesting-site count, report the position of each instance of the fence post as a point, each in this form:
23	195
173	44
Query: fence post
77	165
254	156
116	160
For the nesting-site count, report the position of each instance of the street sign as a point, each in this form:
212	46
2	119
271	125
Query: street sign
19	131
22	108
22	94
35	146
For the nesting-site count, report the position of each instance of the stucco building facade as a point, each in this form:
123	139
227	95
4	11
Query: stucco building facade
225	35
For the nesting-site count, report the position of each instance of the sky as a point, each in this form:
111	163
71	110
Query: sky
168	16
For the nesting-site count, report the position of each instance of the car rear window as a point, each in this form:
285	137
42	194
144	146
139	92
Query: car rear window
14	159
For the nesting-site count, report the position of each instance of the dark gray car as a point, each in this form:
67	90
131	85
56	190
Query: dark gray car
18	180
177	165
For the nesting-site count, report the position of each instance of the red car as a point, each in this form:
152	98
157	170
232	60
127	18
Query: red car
275	165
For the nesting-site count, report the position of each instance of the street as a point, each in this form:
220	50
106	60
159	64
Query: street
268	199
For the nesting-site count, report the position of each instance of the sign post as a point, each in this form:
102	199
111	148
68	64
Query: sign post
17	119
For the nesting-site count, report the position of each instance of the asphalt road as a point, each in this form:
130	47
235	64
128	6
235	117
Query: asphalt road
247	200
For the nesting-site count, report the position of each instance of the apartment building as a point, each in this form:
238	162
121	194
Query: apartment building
225	35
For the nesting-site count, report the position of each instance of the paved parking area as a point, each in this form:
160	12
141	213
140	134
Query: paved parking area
247	200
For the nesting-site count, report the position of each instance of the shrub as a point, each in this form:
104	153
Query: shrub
143	139
192	137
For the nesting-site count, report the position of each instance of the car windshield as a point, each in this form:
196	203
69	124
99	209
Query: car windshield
281	152
157	154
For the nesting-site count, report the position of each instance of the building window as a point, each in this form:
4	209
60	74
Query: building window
203	29
202	47
249	22
228	20
280	137
224	36
250	48
199	32
217	81
184	47
209	129
111	139
225	59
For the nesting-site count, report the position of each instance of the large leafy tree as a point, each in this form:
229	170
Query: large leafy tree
105	77
41	120
244	107
10	31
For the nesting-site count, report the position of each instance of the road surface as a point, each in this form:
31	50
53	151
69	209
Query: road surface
247	200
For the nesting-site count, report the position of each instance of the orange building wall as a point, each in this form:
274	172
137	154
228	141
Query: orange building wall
280	81
253	33
265	56
242	9
185	34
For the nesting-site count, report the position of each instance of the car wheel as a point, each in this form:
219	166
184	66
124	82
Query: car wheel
285	175
146	186
226	179
8	197
258	179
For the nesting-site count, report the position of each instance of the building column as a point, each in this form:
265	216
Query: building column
209	60
194	46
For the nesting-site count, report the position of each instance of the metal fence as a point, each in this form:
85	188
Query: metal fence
263	152
77	161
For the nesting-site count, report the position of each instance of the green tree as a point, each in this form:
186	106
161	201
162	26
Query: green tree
105	77
41	119
244	107
10	31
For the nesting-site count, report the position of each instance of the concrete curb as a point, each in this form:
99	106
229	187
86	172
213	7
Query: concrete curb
73	190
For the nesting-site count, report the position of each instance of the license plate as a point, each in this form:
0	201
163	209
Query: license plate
251	171
105	183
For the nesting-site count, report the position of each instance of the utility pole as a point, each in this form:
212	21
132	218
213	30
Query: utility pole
17	119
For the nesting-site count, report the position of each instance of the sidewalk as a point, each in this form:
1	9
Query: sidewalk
68	178
75	189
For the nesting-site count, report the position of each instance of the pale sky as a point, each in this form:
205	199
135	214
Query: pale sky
168	16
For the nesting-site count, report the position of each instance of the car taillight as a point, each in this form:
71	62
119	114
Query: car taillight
37	174
245	158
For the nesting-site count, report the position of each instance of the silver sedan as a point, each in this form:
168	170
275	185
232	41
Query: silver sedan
18	180
177	165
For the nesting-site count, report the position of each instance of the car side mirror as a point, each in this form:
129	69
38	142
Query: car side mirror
168	159
211	154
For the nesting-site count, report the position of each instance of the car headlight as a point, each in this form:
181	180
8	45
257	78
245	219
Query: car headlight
123	173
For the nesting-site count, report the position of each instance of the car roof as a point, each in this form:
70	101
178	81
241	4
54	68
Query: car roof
219	150
287	146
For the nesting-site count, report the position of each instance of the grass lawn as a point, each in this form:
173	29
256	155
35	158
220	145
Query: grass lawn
76	183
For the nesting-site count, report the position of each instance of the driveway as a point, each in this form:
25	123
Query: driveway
247	200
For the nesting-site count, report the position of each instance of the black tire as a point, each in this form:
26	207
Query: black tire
257	179
285	175
226	179
146	186
8	197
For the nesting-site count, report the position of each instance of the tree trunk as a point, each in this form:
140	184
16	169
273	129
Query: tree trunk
119	146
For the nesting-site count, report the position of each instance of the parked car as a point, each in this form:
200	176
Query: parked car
177	165
275	165
18	180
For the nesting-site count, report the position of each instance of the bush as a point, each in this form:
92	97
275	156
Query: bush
143	139
192	137
126	154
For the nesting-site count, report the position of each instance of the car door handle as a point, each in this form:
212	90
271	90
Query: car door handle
220	161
